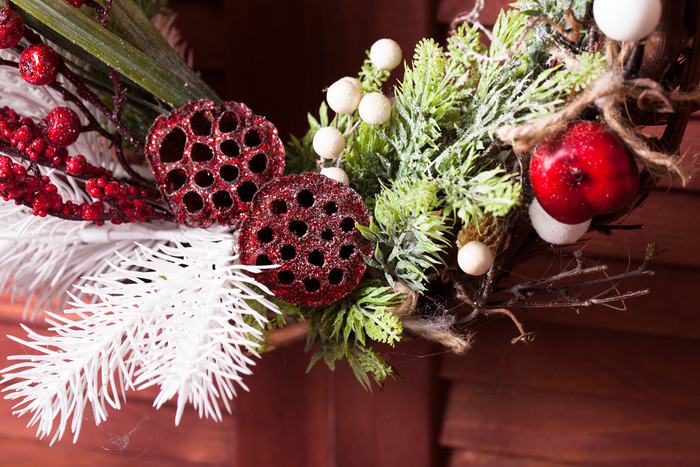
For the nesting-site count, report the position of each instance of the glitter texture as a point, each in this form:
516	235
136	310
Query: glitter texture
210	160
306	224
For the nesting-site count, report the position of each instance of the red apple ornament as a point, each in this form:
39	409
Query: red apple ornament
583	171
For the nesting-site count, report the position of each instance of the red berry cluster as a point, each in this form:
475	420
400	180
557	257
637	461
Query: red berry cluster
125	206
42	144
38	193
37	142
31	190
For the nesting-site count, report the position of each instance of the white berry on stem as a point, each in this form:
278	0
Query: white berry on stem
551	230
337	174
344	95
475	258
627	20
385	54
328	143
375	108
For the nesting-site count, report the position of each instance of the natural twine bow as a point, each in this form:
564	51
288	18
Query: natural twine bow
608	93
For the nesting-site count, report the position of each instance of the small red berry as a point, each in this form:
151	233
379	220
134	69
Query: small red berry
24	134
42	202
76	3
62	126
92	212
38	64
112	189
76	165
19	172
38	144
11	28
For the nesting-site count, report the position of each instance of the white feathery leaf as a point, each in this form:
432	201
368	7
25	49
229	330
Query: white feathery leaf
180	316
44	257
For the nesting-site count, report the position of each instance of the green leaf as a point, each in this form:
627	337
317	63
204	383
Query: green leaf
128	60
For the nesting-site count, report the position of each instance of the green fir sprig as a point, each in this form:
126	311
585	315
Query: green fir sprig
345	330
410	230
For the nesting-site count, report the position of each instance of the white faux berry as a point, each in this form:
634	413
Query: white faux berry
344	95
551	230
337	174
475	258
385	54
375	108
328	143
627	20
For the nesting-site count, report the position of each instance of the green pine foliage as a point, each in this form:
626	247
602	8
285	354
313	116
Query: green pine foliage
488	192
553	9
345	330
410	230
437	161
428	103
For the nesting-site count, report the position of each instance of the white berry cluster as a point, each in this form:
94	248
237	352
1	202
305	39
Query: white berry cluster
345	97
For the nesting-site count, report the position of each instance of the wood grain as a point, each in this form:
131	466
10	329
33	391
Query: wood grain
569	428
474	458
20	453
136	431
327	419
669	217
583	361
371	427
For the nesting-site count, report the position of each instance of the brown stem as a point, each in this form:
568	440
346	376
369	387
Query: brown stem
589	302
524	337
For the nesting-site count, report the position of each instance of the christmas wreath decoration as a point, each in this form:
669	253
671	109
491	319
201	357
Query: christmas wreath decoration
167	234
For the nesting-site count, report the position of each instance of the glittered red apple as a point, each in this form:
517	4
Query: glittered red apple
583	171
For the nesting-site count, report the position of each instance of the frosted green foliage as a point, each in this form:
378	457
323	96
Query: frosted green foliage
507	93
488	192
553	9
543	33
369	162
342	330
300	155
427	105
410	230
370	78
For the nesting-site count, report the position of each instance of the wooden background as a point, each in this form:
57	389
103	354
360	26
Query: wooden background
604	387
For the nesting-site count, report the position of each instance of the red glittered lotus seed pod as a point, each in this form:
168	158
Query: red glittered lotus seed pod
306	224
210	159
